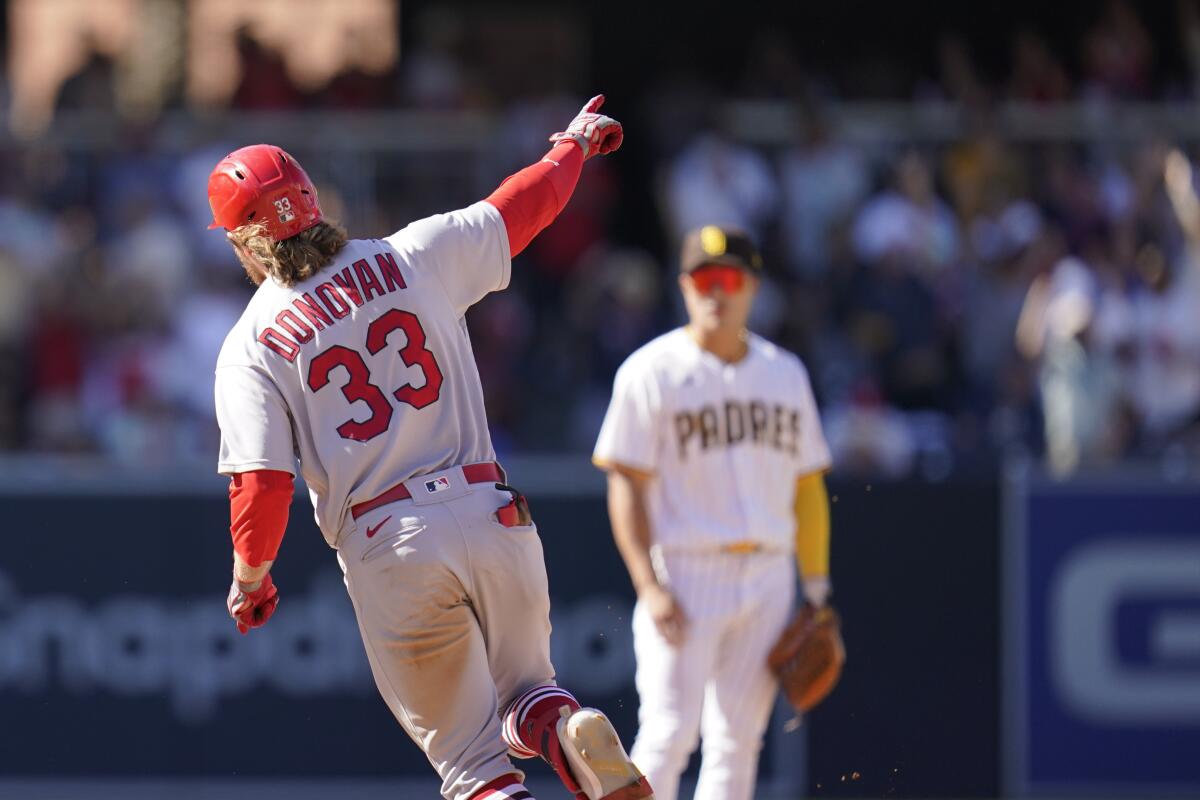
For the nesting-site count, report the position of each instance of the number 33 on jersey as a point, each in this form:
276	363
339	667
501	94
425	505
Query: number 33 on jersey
359	387
364	346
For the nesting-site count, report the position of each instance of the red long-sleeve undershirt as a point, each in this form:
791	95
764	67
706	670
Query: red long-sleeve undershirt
258	513
531	199
528	201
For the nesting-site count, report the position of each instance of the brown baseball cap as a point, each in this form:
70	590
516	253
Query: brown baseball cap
714	244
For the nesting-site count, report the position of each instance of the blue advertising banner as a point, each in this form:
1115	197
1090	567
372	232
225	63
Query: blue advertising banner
118	659
117	656
1102	675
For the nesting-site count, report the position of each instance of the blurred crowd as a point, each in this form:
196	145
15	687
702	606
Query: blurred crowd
956	301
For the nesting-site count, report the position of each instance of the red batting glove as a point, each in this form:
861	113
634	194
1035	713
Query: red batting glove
595	133
252	609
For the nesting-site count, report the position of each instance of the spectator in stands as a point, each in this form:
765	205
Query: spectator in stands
1152	314
716	181
1081	393
823	179
1118	54
1038	75
1010	249
907	223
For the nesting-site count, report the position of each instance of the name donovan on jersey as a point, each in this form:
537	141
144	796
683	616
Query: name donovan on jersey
756	422
330	301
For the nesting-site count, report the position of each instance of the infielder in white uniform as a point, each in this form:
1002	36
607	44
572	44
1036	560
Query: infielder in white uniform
715	462
353	358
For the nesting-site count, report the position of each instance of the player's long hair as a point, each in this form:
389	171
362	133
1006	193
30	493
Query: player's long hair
292	260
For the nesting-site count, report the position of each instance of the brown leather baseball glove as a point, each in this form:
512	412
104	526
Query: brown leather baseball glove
808	656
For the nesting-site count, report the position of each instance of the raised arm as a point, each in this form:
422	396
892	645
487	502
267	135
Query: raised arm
532	198
1177	177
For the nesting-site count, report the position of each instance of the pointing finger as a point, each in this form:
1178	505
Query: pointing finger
593	104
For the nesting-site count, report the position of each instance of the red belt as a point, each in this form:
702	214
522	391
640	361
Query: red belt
482	472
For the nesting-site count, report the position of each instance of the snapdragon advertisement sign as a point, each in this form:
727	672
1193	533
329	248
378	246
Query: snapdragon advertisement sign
118	658
1103	639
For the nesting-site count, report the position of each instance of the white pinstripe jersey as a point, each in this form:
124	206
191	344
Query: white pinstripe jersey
724	442
365	371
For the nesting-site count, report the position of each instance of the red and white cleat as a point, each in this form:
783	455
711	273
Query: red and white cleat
597	760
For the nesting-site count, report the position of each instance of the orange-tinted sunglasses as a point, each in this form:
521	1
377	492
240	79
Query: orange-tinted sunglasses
708	278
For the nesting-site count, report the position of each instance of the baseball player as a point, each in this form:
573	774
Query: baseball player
352	359
715	462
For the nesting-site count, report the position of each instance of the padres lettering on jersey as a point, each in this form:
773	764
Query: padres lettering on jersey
365	371
724	442
757	422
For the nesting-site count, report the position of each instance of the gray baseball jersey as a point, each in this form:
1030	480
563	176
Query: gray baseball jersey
365	371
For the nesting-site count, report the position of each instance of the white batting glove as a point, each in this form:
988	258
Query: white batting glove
816	590
595	133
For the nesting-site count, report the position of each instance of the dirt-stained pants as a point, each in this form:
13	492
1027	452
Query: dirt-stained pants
454	612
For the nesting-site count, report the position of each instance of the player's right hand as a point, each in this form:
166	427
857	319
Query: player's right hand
595	133
252	609
667	614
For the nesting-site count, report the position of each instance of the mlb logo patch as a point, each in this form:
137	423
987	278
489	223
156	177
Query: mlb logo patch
283	209
437	485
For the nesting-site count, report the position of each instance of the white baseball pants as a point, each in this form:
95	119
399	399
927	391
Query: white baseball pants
716	684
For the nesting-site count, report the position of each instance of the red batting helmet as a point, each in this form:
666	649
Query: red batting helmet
262	183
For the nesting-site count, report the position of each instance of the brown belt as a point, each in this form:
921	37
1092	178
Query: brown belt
482	472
